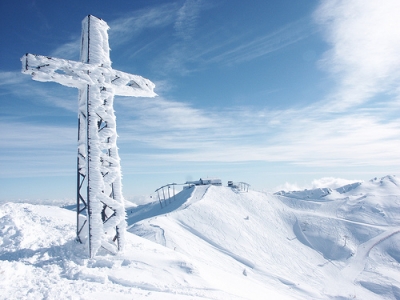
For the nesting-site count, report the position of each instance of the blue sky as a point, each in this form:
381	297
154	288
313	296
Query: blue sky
266	92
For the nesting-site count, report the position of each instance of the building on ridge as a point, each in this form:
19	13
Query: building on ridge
206	181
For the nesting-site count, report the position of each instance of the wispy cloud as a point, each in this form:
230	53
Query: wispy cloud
303	137
365	43
182	53
187	18
262	45
212	47
22	86
156	130
181	46
33	136
10	78
124	29
34	150
69	50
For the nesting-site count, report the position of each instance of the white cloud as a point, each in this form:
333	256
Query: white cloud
10	78
187	18
214	47
123	29
33	136
263	45
288	187
185	55
331	182
35	150
317	135
365	46
307	137
22	86
325	182
69	50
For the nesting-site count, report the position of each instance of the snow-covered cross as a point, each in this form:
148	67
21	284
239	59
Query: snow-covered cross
100	204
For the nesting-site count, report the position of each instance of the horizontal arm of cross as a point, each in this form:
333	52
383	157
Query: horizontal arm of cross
78	75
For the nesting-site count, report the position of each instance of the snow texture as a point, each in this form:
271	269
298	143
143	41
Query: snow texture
98	160
95	49
78	75
214	243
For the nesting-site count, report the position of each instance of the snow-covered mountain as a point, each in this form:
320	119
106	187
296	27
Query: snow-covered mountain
212	242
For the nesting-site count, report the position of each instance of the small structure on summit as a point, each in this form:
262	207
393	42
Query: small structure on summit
241	186
206	181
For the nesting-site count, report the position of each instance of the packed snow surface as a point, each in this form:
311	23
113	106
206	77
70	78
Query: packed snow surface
211	242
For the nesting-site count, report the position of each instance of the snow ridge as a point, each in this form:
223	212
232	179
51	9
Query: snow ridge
323	233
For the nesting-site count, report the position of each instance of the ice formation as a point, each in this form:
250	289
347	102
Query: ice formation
99	171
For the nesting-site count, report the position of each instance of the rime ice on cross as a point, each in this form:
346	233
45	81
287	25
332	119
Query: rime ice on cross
100	205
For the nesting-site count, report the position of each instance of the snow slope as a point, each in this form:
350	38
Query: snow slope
215	243
39	259
341	244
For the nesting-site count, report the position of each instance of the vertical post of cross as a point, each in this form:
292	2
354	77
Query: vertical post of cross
92	120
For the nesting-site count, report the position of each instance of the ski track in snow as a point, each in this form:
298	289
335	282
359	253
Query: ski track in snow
241	260
356	263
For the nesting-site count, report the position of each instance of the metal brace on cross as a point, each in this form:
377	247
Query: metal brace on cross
100	205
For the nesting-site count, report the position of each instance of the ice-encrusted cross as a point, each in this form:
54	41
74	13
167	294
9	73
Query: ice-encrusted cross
100	205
